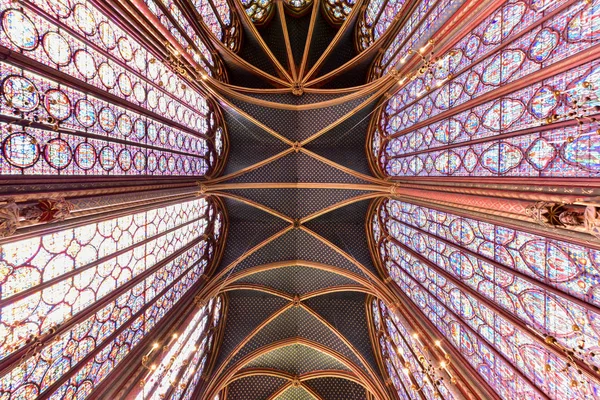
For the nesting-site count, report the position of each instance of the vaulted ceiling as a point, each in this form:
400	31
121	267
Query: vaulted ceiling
297	185
274	109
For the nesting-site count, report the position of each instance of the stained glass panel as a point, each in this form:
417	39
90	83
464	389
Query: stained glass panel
404	356
101	136
259	11
183	358
482	284
441	124
136	266
338	10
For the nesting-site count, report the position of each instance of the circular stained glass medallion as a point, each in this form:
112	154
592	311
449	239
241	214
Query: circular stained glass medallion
107	158
152	162
57	104
139	57
139	161
162	163
85	156
57	48
139	128
107	75
152	100
125	160
62	8
85	64
153	69
107	119
107	35
85	113
125	84
20	93
162	104
163	135
172	110
125	124
152	132
21	149
171	164
125	49
202	125
84	19
20	29
139	92
57	153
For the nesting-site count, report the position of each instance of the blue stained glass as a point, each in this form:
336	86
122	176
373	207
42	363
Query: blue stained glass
20	29
20	93
544	43
58	153
21	149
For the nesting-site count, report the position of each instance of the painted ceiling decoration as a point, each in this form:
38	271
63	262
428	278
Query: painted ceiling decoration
299	199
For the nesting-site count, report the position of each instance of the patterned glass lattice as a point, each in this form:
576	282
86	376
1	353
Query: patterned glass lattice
426	18
217	16
401	351
441	124
495	293
183	360
184	34
174	130
375	20
338	10
259	11
136	267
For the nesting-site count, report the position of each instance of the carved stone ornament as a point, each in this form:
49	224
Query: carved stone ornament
592	221
554	214
9	218
47	210
298	89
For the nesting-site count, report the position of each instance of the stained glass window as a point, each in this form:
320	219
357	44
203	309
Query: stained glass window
156	125
453	120
259	11
173	20
217	16
415	32
298	7
94	291
405	357
184	358
338	10
375	20
496	293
